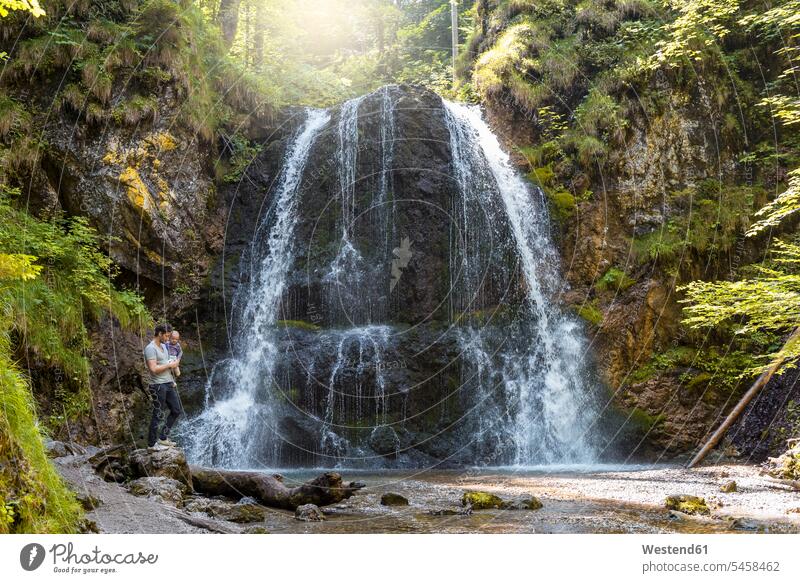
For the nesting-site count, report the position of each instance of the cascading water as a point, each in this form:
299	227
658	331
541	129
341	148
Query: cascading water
237	419
495	378
548	406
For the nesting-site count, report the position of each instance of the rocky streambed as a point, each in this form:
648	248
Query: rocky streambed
600	499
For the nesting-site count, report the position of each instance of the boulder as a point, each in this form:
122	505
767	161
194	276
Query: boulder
787	465
162	460
523	503
87	501
728	487
167	489
112	463
687	504
481	500
61	449
309	513
392	499
238	512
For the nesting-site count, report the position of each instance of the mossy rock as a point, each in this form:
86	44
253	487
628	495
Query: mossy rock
785	466
687	504
590	313
728	487
481	500
392	499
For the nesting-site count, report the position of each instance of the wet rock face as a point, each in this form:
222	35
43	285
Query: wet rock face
373	325
411	203
629	326
770	420
146	191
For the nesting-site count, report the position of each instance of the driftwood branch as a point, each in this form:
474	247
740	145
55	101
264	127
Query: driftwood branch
269	490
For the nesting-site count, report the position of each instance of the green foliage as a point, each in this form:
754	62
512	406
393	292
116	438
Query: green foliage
31	6
768	301
785	204
614	280
699	27
48	313
125	54
706	219
708	371
33	498
590	313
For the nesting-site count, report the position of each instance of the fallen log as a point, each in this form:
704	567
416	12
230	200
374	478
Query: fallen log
759	384
269	490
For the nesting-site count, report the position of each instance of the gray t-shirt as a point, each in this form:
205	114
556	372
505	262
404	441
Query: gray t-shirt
161	356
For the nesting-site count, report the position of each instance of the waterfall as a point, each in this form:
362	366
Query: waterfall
348	270
496	375
235	423
548	406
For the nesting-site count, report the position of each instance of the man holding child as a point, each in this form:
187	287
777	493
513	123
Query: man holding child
162	358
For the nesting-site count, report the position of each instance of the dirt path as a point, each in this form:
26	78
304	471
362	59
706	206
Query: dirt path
119	511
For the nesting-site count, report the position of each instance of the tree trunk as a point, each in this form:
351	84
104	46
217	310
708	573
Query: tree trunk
323	490
229	19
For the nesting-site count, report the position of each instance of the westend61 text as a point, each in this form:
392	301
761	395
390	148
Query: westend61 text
65	554
675	550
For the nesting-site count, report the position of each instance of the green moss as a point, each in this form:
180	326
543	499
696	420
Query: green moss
614	279
301	324
644	420
678	356
481	500
687	504
591	313
706	219
699	381
663	245
562	204
136	110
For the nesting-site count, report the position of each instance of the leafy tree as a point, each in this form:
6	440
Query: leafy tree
700	25
769	300
64	280
32	6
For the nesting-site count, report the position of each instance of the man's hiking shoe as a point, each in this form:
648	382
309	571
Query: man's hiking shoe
167	442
